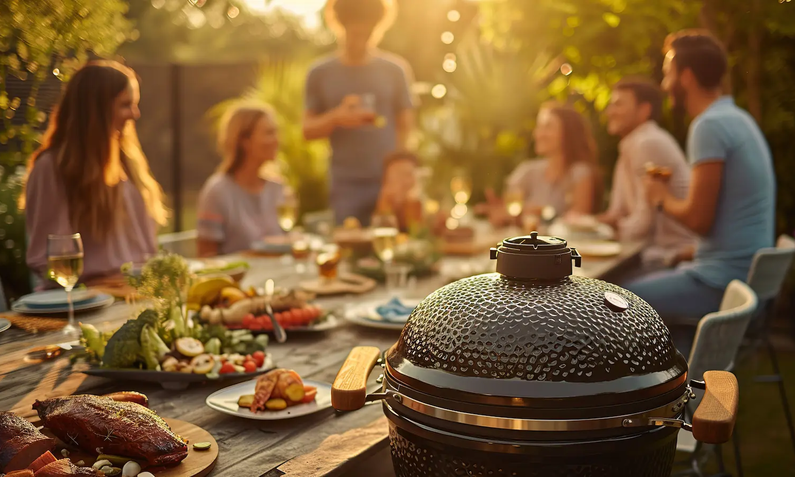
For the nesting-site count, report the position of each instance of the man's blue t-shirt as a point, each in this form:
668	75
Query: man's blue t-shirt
745	214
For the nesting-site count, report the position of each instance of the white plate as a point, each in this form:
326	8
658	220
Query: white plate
225	401
598	249
4	324
101	301
51	298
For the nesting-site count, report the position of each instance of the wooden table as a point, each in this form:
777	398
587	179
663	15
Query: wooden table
247	448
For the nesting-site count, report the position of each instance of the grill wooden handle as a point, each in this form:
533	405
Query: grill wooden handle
713	421
349	391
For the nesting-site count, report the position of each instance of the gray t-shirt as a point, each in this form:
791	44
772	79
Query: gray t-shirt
358	154
530	178
745	214
234	217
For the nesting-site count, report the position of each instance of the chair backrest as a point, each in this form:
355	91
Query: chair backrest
719	334
770	267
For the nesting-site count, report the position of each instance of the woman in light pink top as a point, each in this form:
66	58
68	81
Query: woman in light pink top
90	175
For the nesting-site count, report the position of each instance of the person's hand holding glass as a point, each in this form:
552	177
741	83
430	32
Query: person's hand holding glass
352	113
65	265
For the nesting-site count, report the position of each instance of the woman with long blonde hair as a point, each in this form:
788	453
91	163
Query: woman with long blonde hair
91	177
238	205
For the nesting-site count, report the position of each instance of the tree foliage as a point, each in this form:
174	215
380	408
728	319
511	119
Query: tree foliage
39	41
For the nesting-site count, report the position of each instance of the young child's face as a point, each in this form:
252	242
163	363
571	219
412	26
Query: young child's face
400	177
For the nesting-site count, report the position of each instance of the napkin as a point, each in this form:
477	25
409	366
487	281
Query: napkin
394	310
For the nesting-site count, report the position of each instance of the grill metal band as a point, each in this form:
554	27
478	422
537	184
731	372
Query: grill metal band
658	416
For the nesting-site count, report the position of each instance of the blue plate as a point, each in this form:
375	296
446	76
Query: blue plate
57	298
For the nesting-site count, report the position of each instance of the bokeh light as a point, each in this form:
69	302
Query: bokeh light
233	12
453	15
158	4
448	37
439	91
566	69
449	65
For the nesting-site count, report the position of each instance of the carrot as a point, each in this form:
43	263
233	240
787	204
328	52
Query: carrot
41	461
20	473
289	386
309	394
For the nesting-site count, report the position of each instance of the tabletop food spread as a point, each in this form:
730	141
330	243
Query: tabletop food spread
183	377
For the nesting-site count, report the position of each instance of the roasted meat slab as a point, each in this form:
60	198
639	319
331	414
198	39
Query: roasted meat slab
20	442
119	428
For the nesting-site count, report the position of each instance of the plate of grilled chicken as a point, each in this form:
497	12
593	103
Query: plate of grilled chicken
278	394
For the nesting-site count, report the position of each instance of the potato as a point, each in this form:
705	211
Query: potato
290	386
246	400
276	404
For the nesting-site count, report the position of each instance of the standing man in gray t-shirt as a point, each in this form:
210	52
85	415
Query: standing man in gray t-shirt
358	98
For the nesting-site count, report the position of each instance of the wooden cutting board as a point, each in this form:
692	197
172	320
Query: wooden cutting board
197	464
347	283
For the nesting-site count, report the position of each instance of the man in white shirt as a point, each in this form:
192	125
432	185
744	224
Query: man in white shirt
634	109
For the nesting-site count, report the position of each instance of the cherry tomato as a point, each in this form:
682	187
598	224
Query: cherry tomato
259	358
279	317
250	366
227	368
287	319
247	320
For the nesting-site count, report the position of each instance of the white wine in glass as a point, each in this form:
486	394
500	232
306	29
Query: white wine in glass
384	242
514	202
65	265
461	187
288	214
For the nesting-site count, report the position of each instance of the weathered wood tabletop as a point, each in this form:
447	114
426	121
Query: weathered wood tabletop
247	448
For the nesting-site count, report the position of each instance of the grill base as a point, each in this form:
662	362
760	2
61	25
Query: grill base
414	456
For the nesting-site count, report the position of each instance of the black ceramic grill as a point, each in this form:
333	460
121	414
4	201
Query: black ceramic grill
529	371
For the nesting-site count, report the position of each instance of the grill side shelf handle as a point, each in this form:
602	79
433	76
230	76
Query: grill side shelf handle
349	391
714	419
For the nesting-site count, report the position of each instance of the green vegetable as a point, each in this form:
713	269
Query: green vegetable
213	346
93	341
153	348
201	446
115	459
163	279
124	347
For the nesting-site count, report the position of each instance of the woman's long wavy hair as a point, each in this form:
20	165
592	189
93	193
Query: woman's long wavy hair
579	144
91	157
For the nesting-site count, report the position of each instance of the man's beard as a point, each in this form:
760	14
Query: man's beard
679	97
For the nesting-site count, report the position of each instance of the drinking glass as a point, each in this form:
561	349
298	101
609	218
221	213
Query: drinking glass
461	187
328	260
514	202
288	212
65	265
368	103
300	251
385	233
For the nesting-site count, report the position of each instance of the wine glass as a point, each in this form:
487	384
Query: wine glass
385	232
461	187
65	265
288	212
